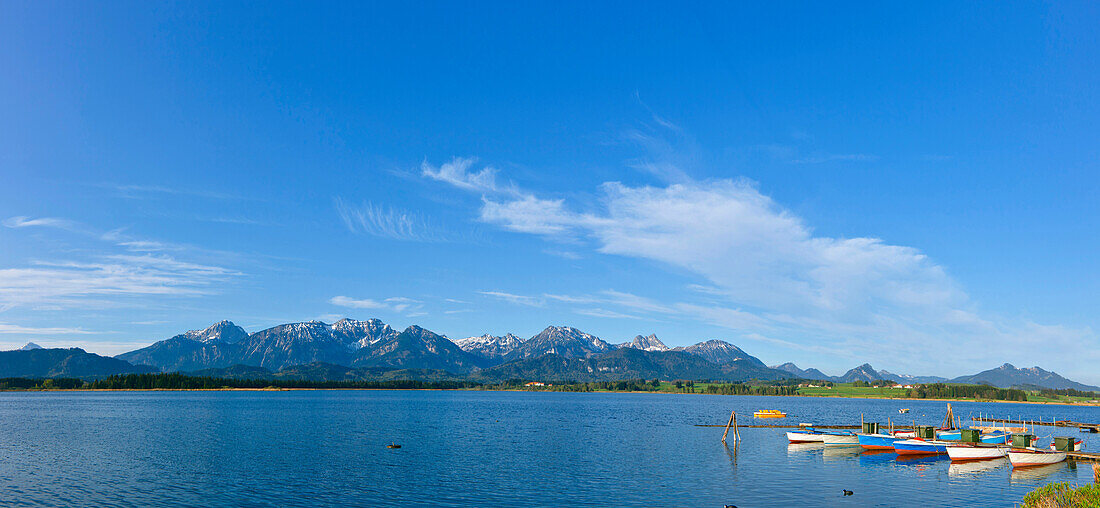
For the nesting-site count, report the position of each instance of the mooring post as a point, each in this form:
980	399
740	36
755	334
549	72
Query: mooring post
728	424
736	429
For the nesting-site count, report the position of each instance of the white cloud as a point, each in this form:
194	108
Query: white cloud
49	222
529	301
10	329
766	272
457	172
386	222
603	313
408	306
66	284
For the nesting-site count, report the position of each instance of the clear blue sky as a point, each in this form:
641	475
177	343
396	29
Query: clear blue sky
910	185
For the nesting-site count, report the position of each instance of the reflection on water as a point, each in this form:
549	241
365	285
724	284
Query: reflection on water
793	448
974	467
1032	473
832	453
472	448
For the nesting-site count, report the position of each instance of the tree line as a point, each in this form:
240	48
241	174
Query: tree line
946	391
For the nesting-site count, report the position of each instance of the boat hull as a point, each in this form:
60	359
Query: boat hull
962	452
1029	457
877	441
801	436
992	438
919	447
840	439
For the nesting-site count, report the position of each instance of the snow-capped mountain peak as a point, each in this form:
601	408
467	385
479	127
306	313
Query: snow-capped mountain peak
490	346
224	331
648	343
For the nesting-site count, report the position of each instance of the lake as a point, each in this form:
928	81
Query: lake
473	448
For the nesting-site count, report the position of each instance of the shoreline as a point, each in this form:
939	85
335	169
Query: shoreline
282	389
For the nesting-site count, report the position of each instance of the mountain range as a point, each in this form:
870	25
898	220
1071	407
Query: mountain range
372	350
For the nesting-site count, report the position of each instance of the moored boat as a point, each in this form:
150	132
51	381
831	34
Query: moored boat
1078	445
808	435
918	446
965	451
994	437
840	438
877	441
1024	457
769	413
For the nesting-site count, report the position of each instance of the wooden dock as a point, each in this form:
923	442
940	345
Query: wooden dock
896	427
1090	427
1083	456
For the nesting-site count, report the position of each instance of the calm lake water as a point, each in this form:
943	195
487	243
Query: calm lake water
478	449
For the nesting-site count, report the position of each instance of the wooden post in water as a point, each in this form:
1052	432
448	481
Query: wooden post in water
733	415
736	429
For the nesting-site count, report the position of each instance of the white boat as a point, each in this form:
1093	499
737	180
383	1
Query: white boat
840	439
1022	457
960	452
1078	445
805	436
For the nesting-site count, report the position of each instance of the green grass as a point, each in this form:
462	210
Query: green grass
847	390
1059	495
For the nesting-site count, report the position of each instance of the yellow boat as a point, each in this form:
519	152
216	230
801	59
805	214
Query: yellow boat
769	413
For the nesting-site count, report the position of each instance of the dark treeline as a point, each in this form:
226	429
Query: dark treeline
946	391
1069	392
183	382
22	383
629	385
743	389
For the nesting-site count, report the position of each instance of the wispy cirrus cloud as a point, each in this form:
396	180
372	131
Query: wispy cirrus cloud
529	301
380	221
69	284
10	329
48	222
408	306
457	173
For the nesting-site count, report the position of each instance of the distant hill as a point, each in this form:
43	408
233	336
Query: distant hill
625	363
562	341
372	349
57	362
720	351
1007	376
862	373
905	378
810	373
325	372
417	348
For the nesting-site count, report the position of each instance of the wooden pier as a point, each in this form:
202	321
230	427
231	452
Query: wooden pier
1090	427
1083	456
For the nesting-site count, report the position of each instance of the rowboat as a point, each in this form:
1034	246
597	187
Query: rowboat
966	451
1024	457
769	413
877	441
995	437
840	439
1078	445
903	410
918	446
808	435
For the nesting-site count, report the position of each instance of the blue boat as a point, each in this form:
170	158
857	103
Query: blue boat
919	446
995	437
877	441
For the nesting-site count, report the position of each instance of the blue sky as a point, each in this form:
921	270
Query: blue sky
913	186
